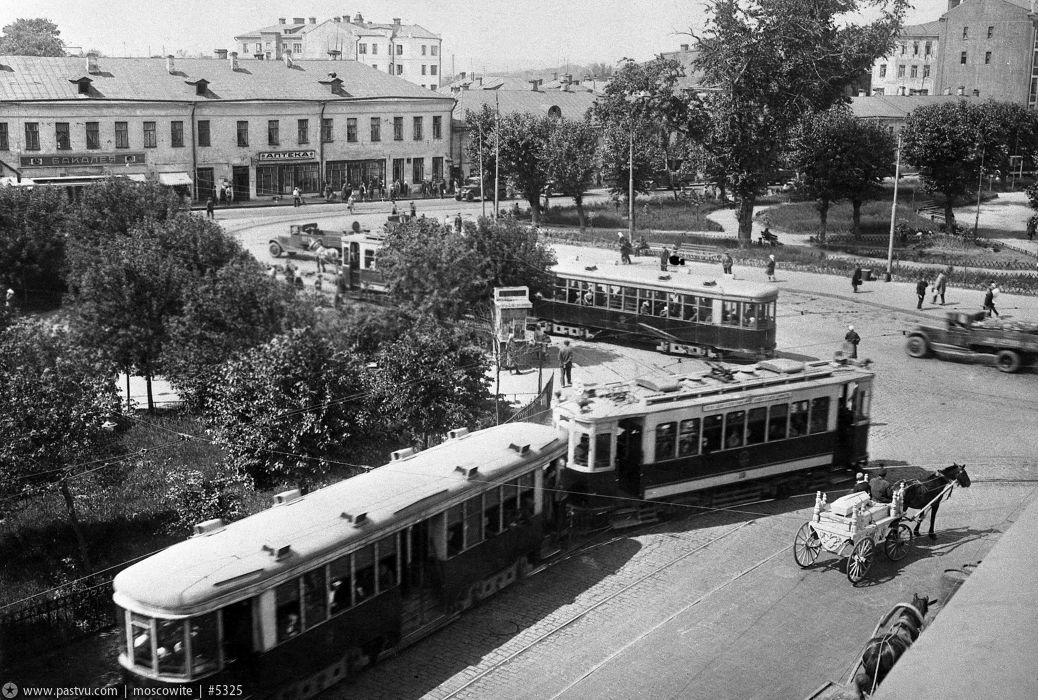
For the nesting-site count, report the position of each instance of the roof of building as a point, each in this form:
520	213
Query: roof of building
572	105
147	79
414	31
932	29
503	83
897	106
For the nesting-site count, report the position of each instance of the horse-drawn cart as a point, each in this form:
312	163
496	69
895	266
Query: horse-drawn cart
854	527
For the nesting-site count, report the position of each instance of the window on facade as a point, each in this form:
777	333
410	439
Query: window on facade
423	49
176	134
5	139
399	49
351	129
432	71
437	127
819	414
374	49
417	128
688	437
273	132
398	128
915	48
423	69
991	32
883	70
326	131
287	610
93	135
203	133
362	48
927	48
243	134
903	49
734	429
962	58
304	130
777	419
376	129
915	71
434	50
987	57
437	167
150	138
965	32
297	48
418	170
61	135
926	71
399	69
901	71
122	135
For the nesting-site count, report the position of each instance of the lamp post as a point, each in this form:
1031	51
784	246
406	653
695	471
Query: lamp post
980	184
893	213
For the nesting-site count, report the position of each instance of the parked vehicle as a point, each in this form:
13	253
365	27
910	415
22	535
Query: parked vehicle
470	190
305	238
1009	345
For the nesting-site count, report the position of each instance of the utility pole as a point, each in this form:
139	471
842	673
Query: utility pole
893	212
980	183
482	195
497	154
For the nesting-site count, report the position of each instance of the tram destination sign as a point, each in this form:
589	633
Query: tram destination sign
64	160
287	155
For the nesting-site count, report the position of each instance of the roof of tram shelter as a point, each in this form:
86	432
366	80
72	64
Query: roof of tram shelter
210	570
35	78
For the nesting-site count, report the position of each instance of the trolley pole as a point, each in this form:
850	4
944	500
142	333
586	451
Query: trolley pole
893	212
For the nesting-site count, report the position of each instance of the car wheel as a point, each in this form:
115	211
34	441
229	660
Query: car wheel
275	250
1008	361
917	347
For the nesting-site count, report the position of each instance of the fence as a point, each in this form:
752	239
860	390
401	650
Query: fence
538	410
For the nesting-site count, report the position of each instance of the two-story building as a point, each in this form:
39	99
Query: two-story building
408	51
265	126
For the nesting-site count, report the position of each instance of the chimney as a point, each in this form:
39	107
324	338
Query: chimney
396	21
91	63
533	84
961	91
298	20
288	58
976	92
234	60
462	75
336	19
313	20
358	19
555	75
684	47
479	81
281	20
220	54
169	64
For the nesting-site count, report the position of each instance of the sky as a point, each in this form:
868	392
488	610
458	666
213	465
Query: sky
478	35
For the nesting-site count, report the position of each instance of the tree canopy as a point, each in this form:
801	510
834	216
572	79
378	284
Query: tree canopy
31	37
32	239
571	159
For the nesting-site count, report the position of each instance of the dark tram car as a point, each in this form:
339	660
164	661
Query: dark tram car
291	600
764	430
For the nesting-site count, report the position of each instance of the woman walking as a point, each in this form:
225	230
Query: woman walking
769	268
856	279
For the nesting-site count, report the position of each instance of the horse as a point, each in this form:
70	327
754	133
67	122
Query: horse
919	493
883	650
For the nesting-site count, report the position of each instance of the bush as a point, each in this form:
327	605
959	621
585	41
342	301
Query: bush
196	498
658	212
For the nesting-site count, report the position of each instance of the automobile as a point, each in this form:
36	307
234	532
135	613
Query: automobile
1009	345
470	190
307	238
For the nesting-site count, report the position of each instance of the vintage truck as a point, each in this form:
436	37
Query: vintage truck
304	238
1009	345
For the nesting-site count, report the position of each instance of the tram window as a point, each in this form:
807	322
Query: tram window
616	297
863	403
730	313
706	310
587	297
387	563
756	423
798	419
665	441
315	599
734	428
526	495
600	295
766	317
819	414
573	291
750	314
287	610
688	438
473	521
204	643
777	422
339	585
492	512
455	530
691	308
510	503
630	299
170	647
603	449
674	306
140	633
712	426
581	450
363	574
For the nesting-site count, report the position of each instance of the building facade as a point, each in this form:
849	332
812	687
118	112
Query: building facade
408	51
199	123
911	69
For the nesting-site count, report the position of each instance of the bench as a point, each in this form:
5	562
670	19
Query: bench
696	251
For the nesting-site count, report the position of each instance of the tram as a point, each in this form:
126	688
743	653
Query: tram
763	430
714	319
287	602
359	253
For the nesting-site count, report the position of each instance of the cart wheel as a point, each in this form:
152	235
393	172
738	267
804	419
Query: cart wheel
860	560
275	250
806	546
896	544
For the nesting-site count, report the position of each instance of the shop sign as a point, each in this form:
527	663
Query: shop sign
287	155
64	160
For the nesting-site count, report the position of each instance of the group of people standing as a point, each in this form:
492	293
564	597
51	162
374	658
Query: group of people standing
878	488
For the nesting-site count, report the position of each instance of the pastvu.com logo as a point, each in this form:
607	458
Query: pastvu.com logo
9	690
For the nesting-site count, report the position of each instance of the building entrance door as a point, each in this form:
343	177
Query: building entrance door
205	184
240	180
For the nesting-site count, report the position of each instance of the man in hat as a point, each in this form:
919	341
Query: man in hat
861	484
769	268
851	340
879	487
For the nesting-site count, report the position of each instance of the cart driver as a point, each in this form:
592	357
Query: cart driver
879	487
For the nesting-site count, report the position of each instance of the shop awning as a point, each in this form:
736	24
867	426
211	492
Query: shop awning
136	177
15	182
172	179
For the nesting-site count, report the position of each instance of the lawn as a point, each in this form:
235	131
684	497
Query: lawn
802	217
658	212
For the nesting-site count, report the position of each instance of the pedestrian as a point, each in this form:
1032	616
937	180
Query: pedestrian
222	193
664	258
209	209
1032	224
989	299
769	268
457	223
327	192
850	342
861	484
920	291
363	191
511	355
349	204
727	263
9	298
297	197
413	210
856	279
625	249
346	192
879	487
319	253
939	286
566	363
394	212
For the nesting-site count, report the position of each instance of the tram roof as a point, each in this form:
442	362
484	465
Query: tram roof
685	280
208	570
711	387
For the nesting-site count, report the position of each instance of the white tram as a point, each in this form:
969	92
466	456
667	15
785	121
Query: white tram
290	600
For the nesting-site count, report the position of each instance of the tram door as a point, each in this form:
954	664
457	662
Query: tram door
629	455
238	634
850	442
420	570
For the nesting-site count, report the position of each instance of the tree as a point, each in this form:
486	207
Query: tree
509	255
286	409
31	37
839	156
429	380
57	398
571	158
32	239
482	141
769	62
524	138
